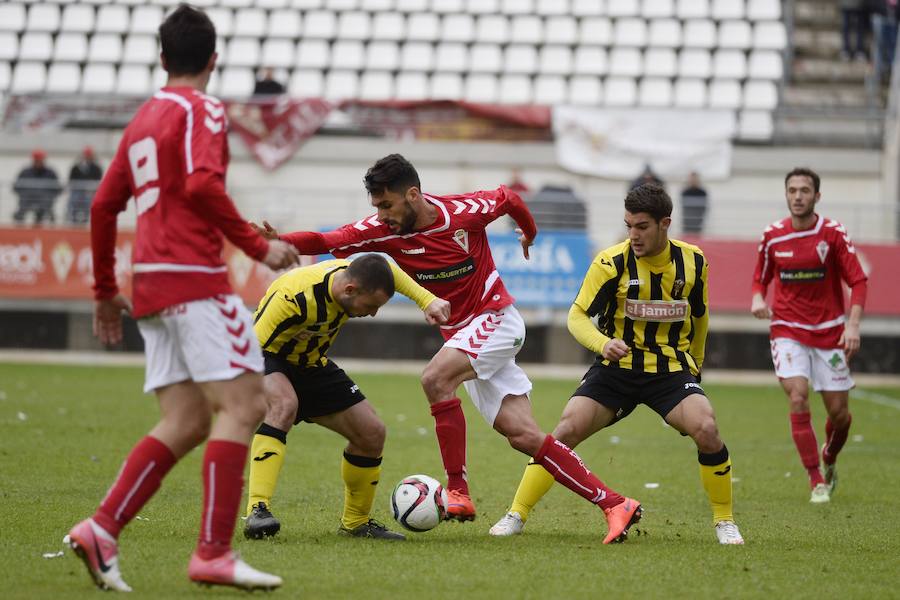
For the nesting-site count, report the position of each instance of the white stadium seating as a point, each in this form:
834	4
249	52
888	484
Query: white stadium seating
63	78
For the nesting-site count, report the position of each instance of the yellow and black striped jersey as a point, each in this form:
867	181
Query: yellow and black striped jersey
298	319
657	305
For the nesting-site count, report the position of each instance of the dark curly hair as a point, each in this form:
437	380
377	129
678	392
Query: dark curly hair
651	199
188	39
394	173
804	171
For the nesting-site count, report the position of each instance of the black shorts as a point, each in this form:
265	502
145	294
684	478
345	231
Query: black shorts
621	390
321	390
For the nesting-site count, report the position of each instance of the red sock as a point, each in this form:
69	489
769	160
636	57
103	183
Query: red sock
567	468
138	479
805	440
223	483
835	439
450	426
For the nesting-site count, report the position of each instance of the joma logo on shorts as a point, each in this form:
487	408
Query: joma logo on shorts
662	311
691	384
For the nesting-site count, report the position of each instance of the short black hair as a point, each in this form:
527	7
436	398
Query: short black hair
394	173
805	172
372	273
651	199
188	39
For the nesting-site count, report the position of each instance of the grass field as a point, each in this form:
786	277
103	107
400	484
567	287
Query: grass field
65	430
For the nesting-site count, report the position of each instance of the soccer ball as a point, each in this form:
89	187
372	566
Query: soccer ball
419	502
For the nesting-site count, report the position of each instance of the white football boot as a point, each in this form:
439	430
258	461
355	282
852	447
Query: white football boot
728	533
510	524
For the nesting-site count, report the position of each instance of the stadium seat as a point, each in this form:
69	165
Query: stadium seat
451	58
341	5
354	26
376	85
692	9
623	8
70	47
376	6
242	52
630	32
43	17
98	79
411	86
585	91
626	62
133	80
5	76
595	30
657	9
78	18
527	29
520	58
485	58
105	47
306	4
382	56
550	90
448	6
735	34
727	9
699	34
694	63
9	46
63	78
140	50
412	6
284	23
730	64
764	10
112	19
769	35
517	7
341	85
482	7
12	16
515	89
306	83
560	30
458	28
481	88
620	91
446	86
555	60
236	82
549	8
660	62
36	45
690	93
417	56
28	78
319	24
665	33
347	54
389	26
223	19
760	95
591	60
278	52
655	92
146	19
765	64
313	54
756	125
423	27
250	22
725	93
492	29
270	4
588	8
235	3
96	2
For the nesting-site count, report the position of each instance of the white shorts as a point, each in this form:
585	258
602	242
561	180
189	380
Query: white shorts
492	340
826	370
202	340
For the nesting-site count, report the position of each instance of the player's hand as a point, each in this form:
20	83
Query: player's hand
108	318
267	231
615	350
438	312
281	255
526	243
850	341
759	308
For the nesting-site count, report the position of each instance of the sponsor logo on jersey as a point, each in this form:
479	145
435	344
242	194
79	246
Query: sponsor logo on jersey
802	275
822	250
632	282
784	254
660	311
413	250
448	273
461	237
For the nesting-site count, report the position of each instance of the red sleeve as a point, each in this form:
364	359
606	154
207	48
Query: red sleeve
518	210
111	198
211	202
209	139
760	279
851	270
342	242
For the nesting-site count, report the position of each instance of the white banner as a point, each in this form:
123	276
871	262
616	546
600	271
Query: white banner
618	143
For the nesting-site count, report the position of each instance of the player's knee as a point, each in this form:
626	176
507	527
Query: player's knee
280	412
434	383
840	418
371	441
526	441
706	435
568	433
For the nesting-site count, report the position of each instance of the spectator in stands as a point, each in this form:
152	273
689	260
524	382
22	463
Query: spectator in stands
517	185
266	84
37	187
84	178
853	18
693	205
647	176
884	36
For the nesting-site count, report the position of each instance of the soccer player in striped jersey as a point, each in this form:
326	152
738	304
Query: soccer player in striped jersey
650	295
808	257
296	323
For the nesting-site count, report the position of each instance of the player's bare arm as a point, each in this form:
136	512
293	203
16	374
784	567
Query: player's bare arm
525	241
759	307
615	350
108	318
438	312
850	339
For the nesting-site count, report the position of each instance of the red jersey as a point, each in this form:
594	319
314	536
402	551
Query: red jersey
808	267
450	258
172	159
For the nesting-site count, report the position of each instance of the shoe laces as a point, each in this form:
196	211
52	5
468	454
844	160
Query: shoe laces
510	519
728	528
373	524
262	510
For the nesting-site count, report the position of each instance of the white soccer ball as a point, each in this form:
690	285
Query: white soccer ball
419	502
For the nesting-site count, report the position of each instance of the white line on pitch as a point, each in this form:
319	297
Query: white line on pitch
876	398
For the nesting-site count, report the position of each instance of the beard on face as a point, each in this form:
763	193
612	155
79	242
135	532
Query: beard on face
407	222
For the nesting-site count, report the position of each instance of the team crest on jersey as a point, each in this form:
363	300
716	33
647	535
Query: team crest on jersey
822	250
461	237
677	288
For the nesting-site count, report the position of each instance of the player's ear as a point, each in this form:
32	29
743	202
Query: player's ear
665	222
212	62
413	194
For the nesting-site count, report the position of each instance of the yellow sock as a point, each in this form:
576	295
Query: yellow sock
715	473
266	459
360	475
536	482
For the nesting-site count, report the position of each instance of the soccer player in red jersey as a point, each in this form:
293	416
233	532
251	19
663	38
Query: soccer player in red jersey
808	256
202	355
441	242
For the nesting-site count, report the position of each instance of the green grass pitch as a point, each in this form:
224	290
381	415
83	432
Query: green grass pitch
65	430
